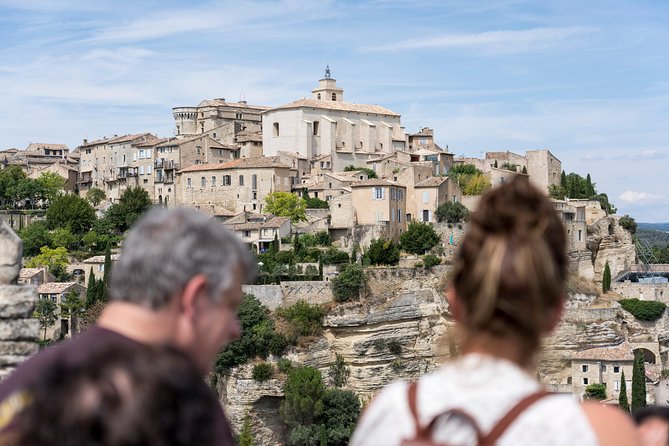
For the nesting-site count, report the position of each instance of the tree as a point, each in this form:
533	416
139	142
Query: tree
383	252
348	283
638	382
419	238
606	278
95	195
72	307
622	399
70	211
136	201
52	185
303	396
91	290
106	274
246	436
64	237
34	236
341	410
452	212
604	202
10	179
589	187
339	371
595	392
628	223
371	174
316	203
286	204
55	260
45	313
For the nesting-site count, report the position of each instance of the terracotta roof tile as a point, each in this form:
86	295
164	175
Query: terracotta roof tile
55	287
375	182
431	182
620	352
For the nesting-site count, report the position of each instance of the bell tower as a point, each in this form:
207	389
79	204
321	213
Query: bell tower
327	89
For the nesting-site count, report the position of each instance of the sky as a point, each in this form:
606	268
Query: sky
585	79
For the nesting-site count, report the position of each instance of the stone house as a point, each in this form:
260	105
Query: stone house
381	203
592	209
69	172
500	176
97	264
431	193
34	276
57	292
249	143
238	186
260	234
326	125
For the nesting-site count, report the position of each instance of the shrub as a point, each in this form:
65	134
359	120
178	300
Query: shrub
339	371
431	260
316	203
262	371
628	223
284	365
303	396
383	252
379	344
334	256
452	212
323	238
347	285
595	392
284	257
304	319
419	238
606	278
397	364
644	310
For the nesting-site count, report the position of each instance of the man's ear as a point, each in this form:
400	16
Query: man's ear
194	288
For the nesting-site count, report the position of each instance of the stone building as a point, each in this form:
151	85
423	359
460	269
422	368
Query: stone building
381	203
326	125
57	292
260	234
431	193
232	187
34	276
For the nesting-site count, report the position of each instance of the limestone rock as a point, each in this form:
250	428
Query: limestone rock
17	301
19	330
11	252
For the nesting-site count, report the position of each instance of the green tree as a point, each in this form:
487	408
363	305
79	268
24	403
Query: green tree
557	192
34	236
64	237
383	252
628	223
339	371
55	260
72	307
419	238
606	205
286	204
95	196
46	313
246	436
70	211
371	174
52	185
638	382
315	203
348	283
606	278
11	178
92	290
589	187
136	201
452	212
303	396
31	190
431	260
622	399
341	410
106	274
595	392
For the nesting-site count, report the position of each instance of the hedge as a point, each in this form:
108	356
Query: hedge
644	310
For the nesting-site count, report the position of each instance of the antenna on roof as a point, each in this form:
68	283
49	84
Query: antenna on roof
242	96
327	72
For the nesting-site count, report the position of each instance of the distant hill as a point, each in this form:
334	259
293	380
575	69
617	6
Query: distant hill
656	234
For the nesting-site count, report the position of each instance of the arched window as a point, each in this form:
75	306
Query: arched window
254	181
275	127
319	96
334	96
203	182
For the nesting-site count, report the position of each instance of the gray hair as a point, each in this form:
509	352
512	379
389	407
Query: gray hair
167	248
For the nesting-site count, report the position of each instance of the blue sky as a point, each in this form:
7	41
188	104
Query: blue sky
585	79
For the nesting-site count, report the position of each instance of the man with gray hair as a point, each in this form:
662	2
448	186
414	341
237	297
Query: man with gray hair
177	283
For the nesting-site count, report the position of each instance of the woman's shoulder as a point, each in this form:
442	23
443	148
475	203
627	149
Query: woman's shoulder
611	425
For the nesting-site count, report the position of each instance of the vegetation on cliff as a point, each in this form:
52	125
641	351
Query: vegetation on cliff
644	310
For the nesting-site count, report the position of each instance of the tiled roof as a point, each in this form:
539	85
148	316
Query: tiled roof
116	139
54	287
243	163
374	182
620	352
336	105
431	182
39	145
26	273
275	222
220	102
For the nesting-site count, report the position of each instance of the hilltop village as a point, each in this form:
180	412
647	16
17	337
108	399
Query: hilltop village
362	184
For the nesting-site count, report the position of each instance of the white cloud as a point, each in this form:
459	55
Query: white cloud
502	41
642	198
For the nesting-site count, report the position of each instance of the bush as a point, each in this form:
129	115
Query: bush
316	203
347	285
339	371
431	260
452	212
595	392
304	319
383	252
333	256
419	238
284	257
263	371
284	365
628	223
395	348
644	310
323	238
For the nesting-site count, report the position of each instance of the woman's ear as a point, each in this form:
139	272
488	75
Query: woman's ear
555	316
454	306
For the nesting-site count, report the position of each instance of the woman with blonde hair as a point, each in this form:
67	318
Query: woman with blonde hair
507	291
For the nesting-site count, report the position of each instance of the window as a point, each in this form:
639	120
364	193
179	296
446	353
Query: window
149	169
255	195
238	115
141	170
616	369
399	216
585	381
617	385
213	181
254	181
241	180
392	193
275	128
334	96
392	213
400	195
318	96
189	183
203	182
247	233
378	193
584	368
603	368
426	196
426	215
316	123
580	234
101	268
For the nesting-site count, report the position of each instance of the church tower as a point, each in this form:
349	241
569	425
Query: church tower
328	90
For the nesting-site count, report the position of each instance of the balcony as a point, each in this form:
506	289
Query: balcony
165	164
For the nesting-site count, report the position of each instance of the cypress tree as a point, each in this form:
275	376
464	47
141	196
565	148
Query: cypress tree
638	382
622	399
91	290
563	180
606	278
589	188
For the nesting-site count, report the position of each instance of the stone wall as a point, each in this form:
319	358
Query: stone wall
19	331
643	291
289	292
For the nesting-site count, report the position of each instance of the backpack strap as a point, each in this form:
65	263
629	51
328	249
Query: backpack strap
511	416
